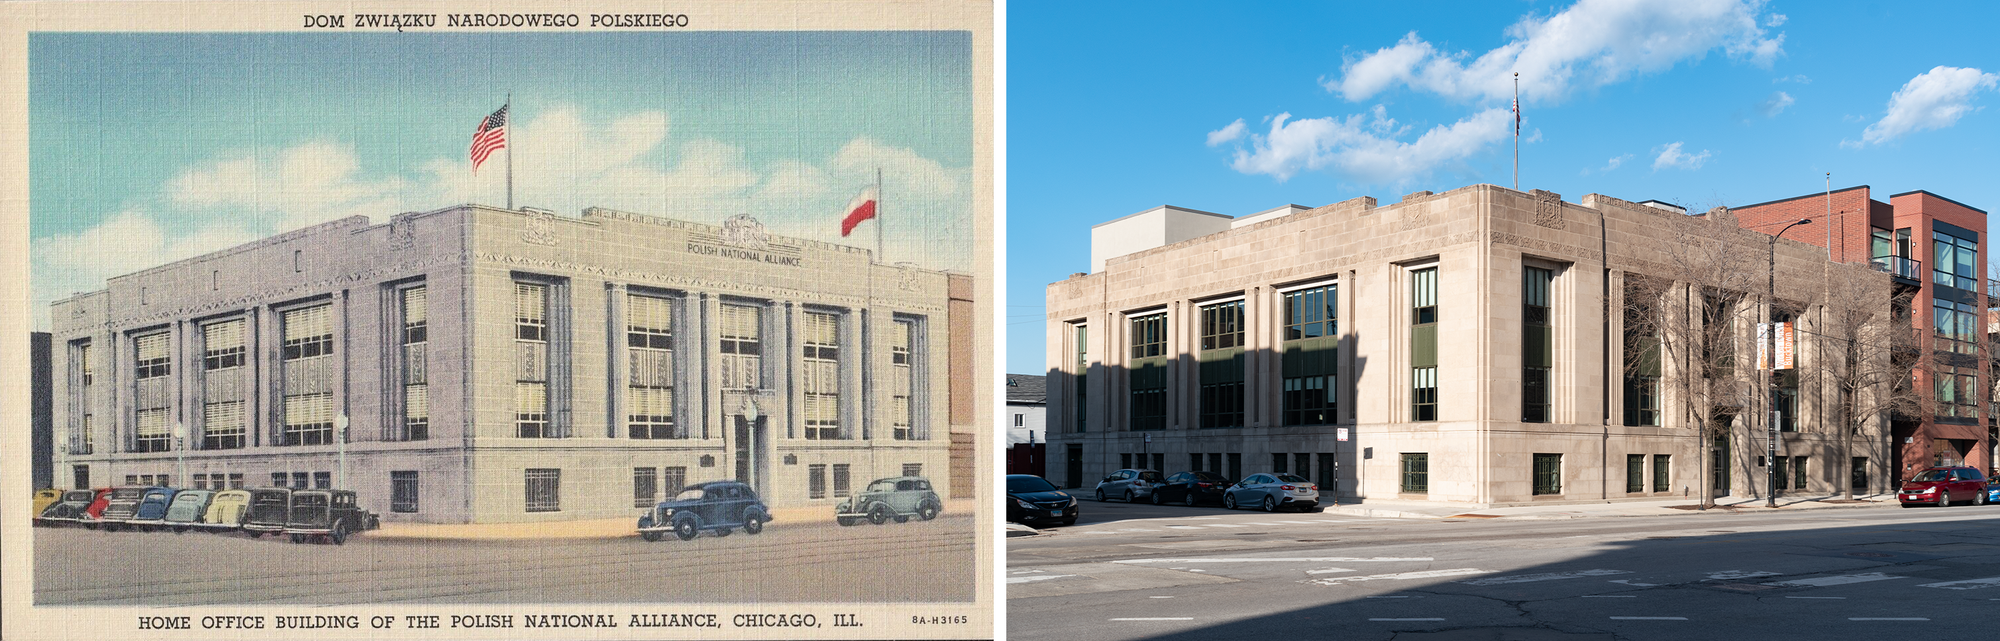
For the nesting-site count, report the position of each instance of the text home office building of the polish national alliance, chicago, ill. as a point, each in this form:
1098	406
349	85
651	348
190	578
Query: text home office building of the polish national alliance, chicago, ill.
490	365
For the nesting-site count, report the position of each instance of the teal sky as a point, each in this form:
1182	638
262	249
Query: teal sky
685	124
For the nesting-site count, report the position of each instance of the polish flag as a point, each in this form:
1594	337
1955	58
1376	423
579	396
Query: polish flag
860	209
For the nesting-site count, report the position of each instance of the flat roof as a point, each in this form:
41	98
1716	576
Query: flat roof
1150	210
1822	194
1933	195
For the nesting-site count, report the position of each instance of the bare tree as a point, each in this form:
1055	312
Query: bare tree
1869	357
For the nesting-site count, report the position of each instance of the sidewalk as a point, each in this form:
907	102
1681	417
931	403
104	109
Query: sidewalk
597	528
1383	508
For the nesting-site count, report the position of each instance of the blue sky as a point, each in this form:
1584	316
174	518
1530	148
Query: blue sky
147	148
1113	111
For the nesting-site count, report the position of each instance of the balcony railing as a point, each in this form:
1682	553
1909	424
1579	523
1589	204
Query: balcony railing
1898	266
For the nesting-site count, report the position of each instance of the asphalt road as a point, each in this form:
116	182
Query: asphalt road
1145	572
915	561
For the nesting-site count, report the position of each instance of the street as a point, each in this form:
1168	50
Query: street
1147	572
803	562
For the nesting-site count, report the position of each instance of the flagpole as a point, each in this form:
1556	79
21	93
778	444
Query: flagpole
879	256
1517	131
510	150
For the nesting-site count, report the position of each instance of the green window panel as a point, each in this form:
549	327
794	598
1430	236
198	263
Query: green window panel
1635	473
1416	473
1662	470
1548	474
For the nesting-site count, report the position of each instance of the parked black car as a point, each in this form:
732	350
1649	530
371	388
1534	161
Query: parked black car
331	514
270	510
716	506
1032	499
1191	488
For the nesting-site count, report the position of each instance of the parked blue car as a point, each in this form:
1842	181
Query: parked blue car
715	506
1993	491
152	510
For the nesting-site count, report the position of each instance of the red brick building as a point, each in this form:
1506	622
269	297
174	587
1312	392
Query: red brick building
1936	246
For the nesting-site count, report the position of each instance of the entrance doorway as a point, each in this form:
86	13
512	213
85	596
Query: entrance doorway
1719	465
750	449
1073	466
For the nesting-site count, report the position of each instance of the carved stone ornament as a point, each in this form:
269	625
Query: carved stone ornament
402	233
541	228
745	232
1548	209
1415	219
908	282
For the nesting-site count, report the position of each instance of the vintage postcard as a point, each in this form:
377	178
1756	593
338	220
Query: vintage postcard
497	320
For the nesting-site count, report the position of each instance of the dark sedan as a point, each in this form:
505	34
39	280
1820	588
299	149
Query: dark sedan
1191	488
1032	499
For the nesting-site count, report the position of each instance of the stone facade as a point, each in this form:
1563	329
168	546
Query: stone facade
1478	450
575	364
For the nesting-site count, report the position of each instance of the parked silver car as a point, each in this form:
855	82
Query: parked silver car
1272	491
1131	485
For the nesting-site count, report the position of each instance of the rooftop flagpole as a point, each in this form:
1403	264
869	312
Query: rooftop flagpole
510	153
1517	131
879	256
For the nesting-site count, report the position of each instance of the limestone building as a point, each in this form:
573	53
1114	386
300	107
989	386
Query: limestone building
1466	347
474	364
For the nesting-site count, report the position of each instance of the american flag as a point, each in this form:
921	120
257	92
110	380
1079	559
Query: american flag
491	137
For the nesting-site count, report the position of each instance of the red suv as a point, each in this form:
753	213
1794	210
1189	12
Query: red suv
1941	485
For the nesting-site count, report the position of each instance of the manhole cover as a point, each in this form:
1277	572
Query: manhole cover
1872	555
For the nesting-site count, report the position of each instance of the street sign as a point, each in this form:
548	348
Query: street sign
1340	434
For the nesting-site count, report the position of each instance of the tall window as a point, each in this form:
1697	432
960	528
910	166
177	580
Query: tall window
1423	344
1957	392
1635	473
222	345
153	359
531	341
309	376
1955	258
1548	473
742	347
1537	350
1662	471
222	425
544	489
1416	473
1148	372
152	432
1956	324
415	334
81	425
903	379
1081	368
649	395
1642	366
1312	355
403	492
1718	347
821	373
1221	358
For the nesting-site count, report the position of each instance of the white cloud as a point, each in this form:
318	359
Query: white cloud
1611	165
1226	134
1671	156
1774	104
1592	43
128	241
1364	146
1934	99
1775	20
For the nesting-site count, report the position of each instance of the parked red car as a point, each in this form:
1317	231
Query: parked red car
1941	486
95	512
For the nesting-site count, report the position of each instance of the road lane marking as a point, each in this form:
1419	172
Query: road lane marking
1968	584
1303	559
1303	522
1410	619
1159	597
1400	576
1727	575
1609	596
1887	619
1393	597
1550	576
1184	527
1030	579
1649	618
1820	597
1222	525
1028	571
1636	585
1843	579
1155	619
1328	571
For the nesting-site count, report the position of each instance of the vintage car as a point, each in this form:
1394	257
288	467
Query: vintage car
328	514
270	507
70	509
44	498
152	510
716	506
898	497
187	509
94	513
226	510
123	504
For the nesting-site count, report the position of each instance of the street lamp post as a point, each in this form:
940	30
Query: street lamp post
1771	444
340	444
180	452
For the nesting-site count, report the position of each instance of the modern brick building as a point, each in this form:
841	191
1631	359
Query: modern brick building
1463	347
1934	247
474	364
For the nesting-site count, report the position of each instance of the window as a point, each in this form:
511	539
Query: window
1159	461
645	486
153	359
1537	349
1662	469
222	426
415	335
308	332
308	420
1635	473
842	479
531	312
1642	377
903	412
1956	325
301	480
1785	399
1194	462
1955	257
152	433
1548	474
1423	344
1221	358
222	345
649	395
672	479
1857	474
1082	371
544	490
1329	483
821	373
1302	464
417	412
277	479
80	441
1416	473
1799	472
1235	465
531	409
416	315
81	475
816	481
403	492
308	411
322	480
1278	460
1881	244
1147	377
913	469
1718	346
742	347
1124	460
1311	356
